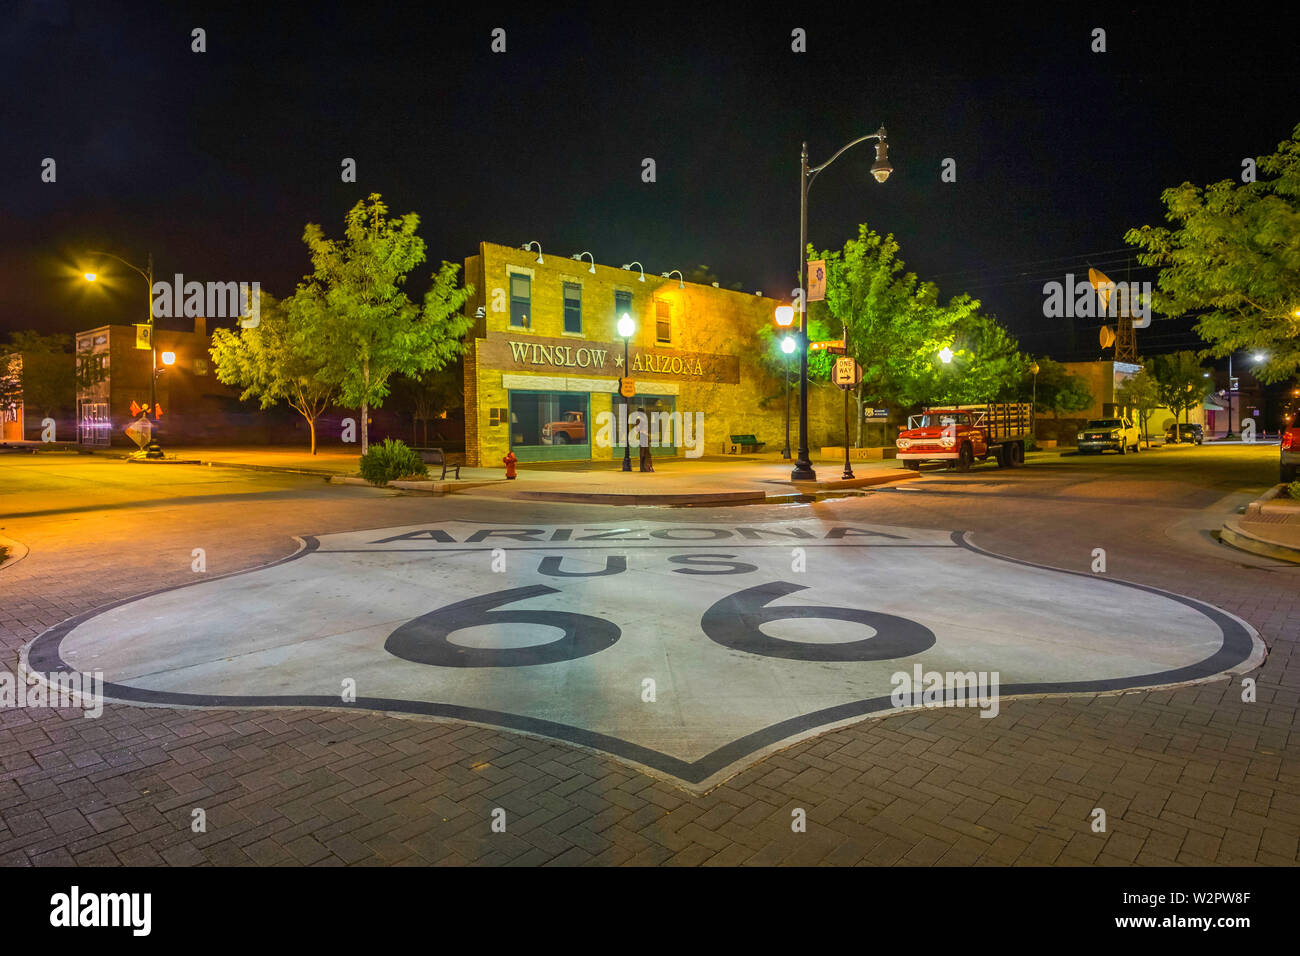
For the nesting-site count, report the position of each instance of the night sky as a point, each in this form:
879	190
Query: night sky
215	161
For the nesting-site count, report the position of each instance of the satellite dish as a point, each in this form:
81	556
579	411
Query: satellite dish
1103	286
1107	337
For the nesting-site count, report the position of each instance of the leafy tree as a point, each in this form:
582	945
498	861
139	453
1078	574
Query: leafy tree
897	327
1058	391
426	395
1234	255
31	341
1140	392
277	360
365	327
1180	381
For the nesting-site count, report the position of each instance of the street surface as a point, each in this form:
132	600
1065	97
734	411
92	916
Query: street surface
362	676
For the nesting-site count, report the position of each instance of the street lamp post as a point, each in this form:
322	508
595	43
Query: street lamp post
880	169
625	329
1033	403
784	318
787	346
147	275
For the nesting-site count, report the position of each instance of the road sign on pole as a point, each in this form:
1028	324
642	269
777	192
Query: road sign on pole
847	372
626	387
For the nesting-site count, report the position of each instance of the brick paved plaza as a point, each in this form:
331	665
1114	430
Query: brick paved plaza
1186	775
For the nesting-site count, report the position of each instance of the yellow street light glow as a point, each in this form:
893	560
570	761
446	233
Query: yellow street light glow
945	355
784	315
168	358
90	277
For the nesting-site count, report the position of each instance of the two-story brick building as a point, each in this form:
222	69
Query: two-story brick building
545	359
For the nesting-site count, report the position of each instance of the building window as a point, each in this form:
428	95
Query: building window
572	307
520	300
549	422
663	323
622	304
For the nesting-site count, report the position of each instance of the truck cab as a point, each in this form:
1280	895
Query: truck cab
570	430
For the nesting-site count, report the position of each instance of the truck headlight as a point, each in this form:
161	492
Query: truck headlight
947	441
1080	438
904	443
1114	435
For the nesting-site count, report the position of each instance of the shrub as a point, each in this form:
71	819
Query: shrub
391	460
1293	490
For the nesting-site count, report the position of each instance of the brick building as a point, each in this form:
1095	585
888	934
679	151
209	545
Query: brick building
545	358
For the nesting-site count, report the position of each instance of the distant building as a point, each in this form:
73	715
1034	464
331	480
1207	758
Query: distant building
36	392
1103	380
195	408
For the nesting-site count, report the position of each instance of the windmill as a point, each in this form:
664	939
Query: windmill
1124	338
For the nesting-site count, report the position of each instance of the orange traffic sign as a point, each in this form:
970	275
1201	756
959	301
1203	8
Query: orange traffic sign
626	387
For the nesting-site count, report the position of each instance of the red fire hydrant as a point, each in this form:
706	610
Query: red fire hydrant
510	460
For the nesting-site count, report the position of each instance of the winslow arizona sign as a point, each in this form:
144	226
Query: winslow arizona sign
775	632
538	354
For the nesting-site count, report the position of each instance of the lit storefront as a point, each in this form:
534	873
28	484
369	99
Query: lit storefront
543	367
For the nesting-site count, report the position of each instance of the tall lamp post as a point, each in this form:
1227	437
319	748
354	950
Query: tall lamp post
1033	404
625	329
880	169
785	318
147	274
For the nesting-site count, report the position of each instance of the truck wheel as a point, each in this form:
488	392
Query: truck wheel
1002	458
559	438
912	465
1123	448
964	457
1015	452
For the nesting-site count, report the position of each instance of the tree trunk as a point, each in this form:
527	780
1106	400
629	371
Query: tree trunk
311	424
365	406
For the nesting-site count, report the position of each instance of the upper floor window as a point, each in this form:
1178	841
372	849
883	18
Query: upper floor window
663	323
622	305
521	298
572	307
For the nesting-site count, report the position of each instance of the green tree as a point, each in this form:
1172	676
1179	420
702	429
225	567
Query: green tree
1058	391
428	395
365	327
277	360
31	341
1180	381
1234	256
1141	392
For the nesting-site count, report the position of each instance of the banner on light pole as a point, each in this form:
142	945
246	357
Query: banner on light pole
817	280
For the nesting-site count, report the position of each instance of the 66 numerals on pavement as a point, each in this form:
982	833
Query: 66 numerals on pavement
733	622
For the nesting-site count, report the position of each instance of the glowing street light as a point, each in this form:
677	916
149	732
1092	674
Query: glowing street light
168	358
625	329
91	277
945	355
784	316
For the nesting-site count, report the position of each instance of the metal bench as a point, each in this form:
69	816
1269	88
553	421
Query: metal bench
747	444
435	456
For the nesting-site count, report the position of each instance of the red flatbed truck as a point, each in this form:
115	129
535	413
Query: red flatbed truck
962	434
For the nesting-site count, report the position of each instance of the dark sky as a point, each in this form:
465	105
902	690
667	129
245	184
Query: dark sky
215	161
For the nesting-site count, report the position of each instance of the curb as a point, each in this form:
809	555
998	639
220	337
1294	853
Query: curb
17	551
1242	541
693	498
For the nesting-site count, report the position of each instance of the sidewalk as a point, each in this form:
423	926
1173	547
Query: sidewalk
1270	526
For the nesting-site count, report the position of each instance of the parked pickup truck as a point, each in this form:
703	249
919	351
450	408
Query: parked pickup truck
960	434
571	430
1116	434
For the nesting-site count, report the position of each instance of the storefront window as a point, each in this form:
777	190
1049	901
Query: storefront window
549	425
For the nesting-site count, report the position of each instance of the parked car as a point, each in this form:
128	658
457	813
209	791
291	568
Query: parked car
1184	432
1290	452
1116	434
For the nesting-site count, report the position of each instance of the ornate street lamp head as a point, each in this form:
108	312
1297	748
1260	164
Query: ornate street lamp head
881	168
